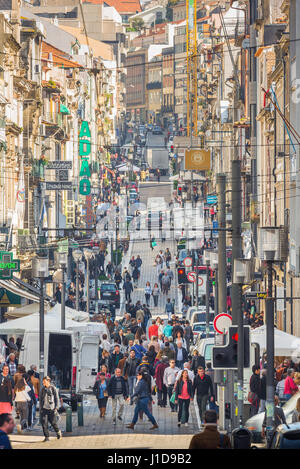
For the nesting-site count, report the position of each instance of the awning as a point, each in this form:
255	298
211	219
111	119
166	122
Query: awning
64	110
18	291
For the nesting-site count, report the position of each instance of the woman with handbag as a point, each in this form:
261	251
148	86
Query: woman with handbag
155	294
22	400
148	292
101	393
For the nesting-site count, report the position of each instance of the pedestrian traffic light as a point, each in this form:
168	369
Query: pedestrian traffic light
225	356
182	278
179	190
172	148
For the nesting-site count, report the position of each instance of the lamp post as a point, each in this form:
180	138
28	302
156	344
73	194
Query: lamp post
40	269
88	254
77	255
63	262
214	262
242	273
272	248
206	258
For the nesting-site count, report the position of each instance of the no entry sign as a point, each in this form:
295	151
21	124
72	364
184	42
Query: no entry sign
221	322
187	262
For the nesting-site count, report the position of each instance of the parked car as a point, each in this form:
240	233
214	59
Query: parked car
286	437
200	316
199	329
204	347
110	292
254	424
157	130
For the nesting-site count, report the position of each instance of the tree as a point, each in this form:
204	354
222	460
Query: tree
137	24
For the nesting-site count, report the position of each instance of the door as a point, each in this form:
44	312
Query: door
30	350
88	363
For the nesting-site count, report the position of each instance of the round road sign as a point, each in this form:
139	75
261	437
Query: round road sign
191	276
221	322
188	262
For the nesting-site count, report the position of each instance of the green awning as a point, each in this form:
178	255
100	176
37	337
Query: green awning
64	110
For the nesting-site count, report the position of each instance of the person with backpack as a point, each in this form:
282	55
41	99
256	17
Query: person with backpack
49	405
210	437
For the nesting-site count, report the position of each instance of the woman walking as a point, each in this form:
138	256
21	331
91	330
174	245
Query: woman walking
155	294
183	396
148	292
135	276
101	393
22	400
143	393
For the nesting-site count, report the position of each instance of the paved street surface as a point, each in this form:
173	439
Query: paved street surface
102	434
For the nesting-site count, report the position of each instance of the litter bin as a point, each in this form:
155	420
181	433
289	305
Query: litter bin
80	410
241	438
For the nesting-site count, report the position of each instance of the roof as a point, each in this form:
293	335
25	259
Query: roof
58	57
100	49
122	6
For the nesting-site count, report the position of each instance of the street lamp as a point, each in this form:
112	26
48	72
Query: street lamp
272	248
214	262
88	254
40	269
242	274
63	262
206	258
77	255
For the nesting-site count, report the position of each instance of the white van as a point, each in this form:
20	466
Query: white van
70	359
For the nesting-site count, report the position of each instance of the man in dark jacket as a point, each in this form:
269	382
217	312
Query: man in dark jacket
130	367
7	425
210	438
162	391
128	288
255	389
49	405
114	359
118	391
203	386
181	355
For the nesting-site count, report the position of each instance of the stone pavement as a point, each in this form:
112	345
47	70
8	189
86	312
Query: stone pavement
98	433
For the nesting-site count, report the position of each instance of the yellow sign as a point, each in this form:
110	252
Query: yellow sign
197	160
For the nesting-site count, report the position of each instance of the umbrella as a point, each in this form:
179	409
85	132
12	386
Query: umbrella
123	168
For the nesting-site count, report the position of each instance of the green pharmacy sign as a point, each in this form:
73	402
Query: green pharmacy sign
84	153
8	265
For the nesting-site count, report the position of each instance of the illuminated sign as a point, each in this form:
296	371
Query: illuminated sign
84	153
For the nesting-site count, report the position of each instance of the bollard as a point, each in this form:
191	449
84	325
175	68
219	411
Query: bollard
68	419
80	411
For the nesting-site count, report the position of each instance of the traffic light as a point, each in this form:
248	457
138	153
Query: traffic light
172	148
182	278
225	356
179	190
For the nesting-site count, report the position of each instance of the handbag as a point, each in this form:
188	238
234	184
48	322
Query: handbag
172	398
154	243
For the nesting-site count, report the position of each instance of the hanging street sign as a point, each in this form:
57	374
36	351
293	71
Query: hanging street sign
58	186
188	262
59	165
8	265
211	199
84	153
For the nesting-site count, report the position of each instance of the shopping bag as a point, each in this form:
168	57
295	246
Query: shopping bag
154	243
172	398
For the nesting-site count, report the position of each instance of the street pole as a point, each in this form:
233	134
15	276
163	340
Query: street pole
88	285
197	280
222	261
216	293
77	286
63	300
96	287
237	314
207	298
42	331
270	354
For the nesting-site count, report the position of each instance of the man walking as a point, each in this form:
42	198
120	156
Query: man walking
7	425
181	355
115	357
165	283
161	387
128	288
169	380
203	387
118	391
169	308
130	367
49	405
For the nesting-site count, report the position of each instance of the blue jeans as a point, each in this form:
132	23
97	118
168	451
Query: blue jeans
131	383
142	405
